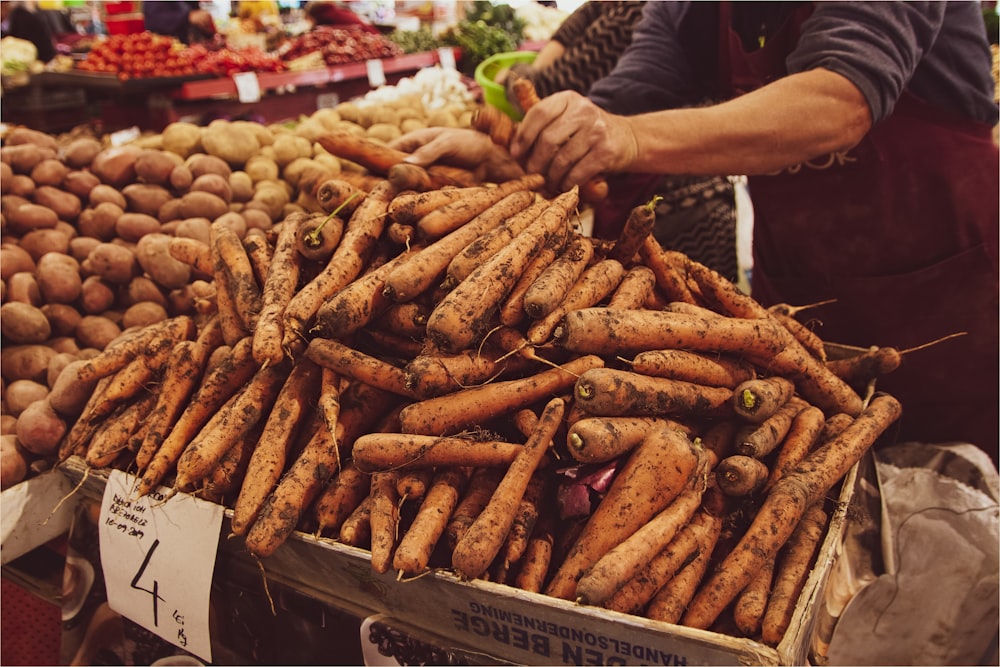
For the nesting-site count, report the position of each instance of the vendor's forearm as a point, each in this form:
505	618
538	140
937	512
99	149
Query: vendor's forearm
787	122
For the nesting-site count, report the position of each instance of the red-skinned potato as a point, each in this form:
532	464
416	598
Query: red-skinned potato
80	183
104	192
40	428
116	165
22	287
63	318
81	152
25	362
96	295
41	241
97	331
114	262
58	277
23	323
66	205
22	393
13	461
69	394
26	217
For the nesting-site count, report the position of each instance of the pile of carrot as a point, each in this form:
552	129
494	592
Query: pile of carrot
434	385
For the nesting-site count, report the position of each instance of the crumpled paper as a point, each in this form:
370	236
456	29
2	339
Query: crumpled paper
918	581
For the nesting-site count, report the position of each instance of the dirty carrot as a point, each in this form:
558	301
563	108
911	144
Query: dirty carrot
549	289
477	493
607	392
714	370
739	475
483	540
336	193
449	217
597	282
803	434
340	497
130	345
415	547
808	338
383	451
259	252
111	437
637	226
491	121
279	287
512	309
132	380
234	327
757	399
407	319
751	604
866	366
784	506
196	254
635	288
406	176
525	517
269	459
232	254
451	413
356	529
348	362
601	439
408	207
412	485
370	154
671	277
759	440
721	294
317	236
655	473
537	558
424	269
384	520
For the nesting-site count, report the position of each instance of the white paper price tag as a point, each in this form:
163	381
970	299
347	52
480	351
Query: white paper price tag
376	73
247	87
158	557
446	55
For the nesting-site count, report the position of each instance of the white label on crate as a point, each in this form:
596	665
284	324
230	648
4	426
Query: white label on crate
158	556
247	87
446	55
376	73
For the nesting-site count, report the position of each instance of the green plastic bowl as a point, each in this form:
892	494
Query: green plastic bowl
493	93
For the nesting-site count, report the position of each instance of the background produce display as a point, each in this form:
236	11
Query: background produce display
286	320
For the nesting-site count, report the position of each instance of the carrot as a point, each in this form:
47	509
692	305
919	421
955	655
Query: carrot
408	207
671	277
784	506
834	426
482	483
359	302
111	437
424	269
525	517
615	331
131	344
225	479
606	392
317	236
713	370
355	364
866	366
670	601
412	485
229	250
512	309
407	319
483	540
232	422
759	440
751	604
415	547
449	217
196	254
463	313
601	439
400	234
721	294
216	387
791	572
638	225
717	441
802	436
490	242
234	327
336	193
612	570
446	175
406	176
596	283
384	520
340	497
130	381
757	399
361	408
534	564
279	287
375	156
549	289
453	412
634	595
375	452
259	252
363	229
270	456
808	338
356	529
739	475
692	309
525	95
495	123
655	473
635	288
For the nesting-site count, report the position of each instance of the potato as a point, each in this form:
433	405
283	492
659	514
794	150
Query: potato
143	313
116	165
24	323
311	130
23	158
25	362
152	253
80	183
257	218
99	221
64	344
22	393
263	133
26	135
272	198
241	186
13	462
8	424
40	241
196	204
58	277
68	394
62	318
234	221
58	363
80	247
134	226
23	287
286	149
30	216
233	143
40	429
293	170
66	205
146	198
97	295
140	289
103	192
14	259
181	138
21	185
81	152
154	166
97	331
6	175
441	118
181	178
215	184
328	161
49	171
195	228
202	163
114	262
262	168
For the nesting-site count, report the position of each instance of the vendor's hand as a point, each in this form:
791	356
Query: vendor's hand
458	147
569	140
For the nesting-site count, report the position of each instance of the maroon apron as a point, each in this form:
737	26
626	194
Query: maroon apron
901	231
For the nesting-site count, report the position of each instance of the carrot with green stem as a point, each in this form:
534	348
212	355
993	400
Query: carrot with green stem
714	370
374	452
785	505
757	399
423	270
318	235
483	540
451	216
549	289
416	545
761	439
451	413
336	194
638	225
655	473
607	392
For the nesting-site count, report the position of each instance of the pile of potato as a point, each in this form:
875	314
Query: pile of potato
85	227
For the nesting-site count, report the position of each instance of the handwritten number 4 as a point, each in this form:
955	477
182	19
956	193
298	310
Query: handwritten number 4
155	593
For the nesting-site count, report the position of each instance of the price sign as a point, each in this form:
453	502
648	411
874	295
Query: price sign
158	558
247	87
376	74
446	55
